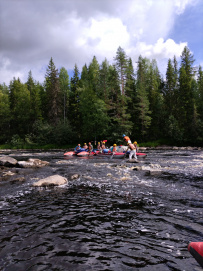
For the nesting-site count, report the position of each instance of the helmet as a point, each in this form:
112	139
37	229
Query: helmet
123	135
135	142
114	145
85	143
98	142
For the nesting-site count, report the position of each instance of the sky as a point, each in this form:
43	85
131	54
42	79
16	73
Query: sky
74	31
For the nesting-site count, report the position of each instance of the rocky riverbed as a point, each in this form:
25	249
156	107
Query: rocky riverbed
109	215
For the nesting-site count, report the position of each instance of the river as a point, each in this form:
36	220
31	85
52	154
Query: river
114	216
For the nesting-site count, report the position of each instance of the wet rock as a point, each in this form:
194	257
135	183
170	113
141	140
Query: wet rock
153	173
74	176
132	161
18	179
34	163
53	180
8	161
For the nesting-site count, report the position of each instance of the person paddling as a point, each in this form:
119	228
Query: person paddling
114	148
78	147
90	147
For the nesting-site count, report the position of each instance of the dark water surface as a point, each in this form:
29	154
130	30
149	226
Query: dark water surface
113	217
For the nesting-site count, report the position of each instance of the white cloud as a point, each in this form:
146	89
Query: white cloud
74	31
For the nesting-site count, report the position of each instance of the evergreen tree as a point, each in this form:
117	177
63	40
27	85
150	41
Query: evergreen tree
19	98
93	75
104	82
143	113
64	85
94	119
35	102
130	91
155	101
121	65
53	97
117	109
199	102
186	105
4	113
74	112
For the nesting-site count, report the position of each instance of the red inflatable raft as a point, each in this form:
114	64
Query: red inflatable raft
196	249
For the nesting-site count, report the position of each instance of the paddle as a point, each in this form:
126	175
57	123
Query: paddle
112	155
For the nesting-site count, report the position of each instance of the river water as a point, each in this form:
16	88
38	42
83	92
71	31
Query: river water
115	216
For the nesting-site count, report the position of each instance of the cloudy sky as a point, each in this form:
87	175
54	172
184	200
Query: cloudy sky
73	31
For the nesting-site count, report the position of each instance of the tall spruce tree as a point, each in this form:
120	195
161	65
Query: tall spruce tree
19	98
143	113
155	100
93	75
75	92
64	85
121	61
4	113
35	102
104	81
186	103
54	105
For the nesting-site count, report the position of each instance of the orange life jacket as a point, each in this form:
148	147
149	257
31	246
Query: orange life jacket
126	138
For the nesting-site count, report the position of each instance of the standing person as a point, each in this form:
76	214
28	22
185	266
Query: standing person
132	151
136	147
126	138
78	147
90	147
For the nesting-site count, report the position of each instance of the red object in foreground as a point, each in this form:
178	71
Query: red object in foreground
196	250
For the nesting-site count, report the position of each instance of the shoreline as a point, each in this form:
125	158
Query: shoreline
188	148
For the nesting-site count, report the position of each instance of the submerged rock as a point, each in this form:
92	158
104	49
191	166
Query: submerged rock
34	163
53	180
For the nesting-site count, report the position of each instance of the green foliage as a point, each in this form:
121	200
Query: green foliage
105	102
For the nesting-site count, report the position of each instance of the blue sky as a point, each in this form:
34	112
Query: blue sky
73	31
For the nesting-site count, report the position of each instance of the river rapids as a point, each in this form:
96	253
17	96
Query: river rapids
114	216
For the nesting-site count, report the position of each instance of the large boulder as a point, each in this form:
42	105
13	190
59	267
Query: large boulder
53	180
7	161
34	163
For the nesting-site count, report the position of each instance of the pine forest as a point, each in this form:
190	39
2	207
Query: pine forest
105	101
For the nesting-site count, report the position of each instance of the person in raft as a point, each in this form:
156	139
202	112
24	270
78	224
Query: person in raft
103	145
90	147
114	148
126	138
85	146
78	147
132	151
98	146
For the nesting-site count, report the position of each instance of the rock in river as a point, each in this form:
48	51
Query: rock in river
7	161
51	181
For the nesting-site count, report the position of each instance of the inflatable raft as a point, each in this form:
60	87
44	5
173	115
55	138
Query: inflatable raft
196	250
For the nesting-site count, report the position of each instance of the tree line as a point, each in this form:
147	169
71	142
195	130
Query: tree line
105	101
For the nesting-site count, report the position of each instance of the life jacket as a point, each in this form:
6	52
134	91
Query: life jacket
126	138
114	149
